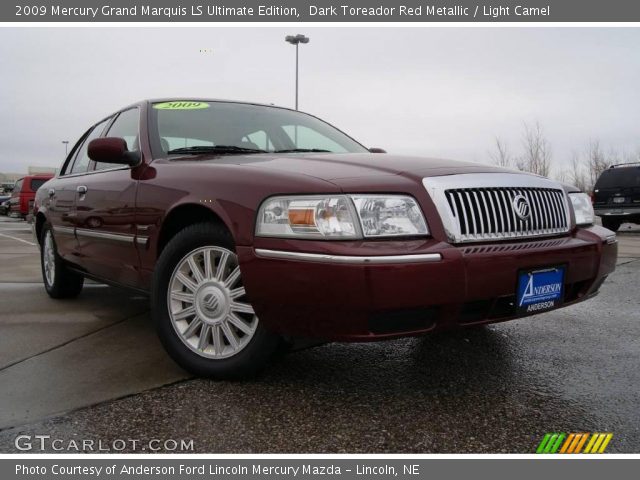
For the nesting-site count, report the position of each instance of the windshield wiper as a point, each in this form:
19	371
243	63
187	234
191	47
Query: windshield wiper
200	149
303	150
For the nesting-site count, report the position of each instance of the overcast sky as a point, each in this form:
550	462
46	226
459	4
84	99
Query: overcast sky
444	92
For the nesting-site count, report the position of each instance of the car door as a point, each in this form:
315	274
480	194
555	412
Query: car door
61	195
105	205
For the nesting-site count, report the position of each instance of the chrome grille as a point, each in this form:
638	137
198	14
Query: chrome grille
486	213
480	207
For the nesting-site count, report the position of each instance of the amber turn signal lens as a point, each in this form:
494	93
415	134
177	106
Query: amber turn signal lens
302	217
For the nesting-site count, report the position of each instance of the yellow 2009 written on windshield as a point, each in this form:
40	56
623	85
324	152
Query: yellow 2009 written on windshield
181	105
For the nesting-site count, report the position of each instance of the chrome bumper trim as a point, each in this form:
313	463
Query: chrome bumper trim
348	259
617	213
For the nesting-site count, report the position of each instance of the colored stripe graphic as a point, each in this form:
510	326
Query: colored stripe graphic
598	442
574	443
606	441
583	439
550	443
543	443
592	441
568	442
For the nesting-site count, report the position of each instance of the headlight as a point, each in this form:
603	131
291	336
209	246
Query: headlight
582	208
340	217
389	216
308	217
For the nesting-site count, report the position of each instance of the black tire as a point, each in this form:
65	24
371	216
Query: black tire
612	224
250	359
64	283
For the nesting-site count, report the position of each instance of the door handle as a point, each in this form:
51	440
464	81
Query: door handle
81	189
52	192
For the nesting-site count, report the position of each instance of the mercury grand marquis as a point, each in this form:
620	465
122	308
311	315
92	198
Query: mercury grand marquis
251	226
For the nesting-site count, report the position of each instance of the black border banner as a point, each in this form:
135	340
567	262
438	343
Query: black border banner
410	468
301	11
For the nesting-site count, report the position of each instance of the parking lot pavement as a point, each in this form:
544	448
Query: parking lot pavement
496	389
57	356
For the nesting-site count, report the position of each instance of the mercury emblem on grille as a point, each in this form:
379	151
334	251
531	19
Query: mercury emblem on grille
521	207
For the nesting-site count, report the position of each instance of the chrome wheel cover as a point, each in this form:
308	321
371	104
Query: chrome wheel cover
207	303
49	259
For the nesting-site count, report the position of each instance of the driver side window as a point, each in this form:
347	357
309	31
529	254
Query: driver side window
81	161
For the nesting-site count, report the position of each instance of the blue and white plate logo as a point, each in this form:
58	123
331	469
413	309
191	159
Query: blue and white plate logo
540	290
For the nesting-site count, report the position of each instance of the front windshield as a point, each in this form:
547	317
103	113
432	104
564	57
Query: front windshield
183	127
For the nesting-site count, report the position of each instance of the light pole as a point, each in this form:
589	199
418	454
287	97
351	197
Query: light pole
66	147
296	40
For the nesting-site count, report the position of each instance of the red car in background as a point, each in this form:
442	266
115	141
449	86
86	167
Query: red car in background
250	225
24	194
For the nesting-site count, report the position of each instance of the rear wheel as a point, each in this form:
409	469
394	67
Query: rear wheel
59	281
202	313
611	223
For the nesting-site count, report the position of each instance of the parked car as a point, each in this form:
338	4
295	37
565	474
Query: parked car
616	195
4	204
24	192
251	225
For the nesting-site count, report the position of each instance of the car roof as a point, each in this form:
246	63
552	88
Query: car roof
618	166
39	175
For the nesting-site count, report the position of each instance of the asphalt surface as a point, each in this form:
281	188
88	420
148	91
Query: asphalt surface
93	369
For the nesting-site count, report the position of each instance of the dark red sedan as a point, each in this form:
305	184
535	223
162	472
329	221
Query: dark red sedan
252	225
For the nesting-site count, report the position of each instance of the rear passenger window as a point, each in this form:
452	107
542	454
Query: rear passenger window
36	183
82	159
125	126
621	177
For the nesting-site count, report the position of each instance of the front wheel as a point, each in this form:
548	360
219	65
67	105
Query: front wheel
202	312
59	281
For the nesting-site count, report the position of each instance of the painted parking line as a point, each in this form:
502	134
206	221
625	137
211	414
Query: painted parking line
18	239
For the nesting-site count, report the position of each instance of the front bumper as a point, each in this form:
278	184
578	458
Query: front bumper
329	297
617	212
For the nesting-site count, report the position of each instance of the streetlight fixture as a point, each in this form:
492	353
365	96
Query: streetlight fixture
296	40
66	147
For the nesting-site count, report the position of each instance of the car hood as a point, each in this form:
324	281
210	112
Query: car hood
332	167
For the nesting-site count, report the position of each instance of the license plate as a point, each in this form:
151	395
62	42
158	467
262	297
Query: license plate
618	199
540	290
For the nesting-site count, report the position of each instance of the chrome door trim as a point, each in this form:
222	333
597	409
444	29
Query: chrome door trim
143	241
117	237
93	172
348	259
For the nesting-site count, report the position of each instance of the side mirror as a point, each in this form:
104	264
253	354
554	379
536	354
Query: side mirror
112	150
377	150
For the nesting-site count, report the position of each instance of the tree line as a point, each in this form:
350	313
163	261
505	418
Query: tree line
535	156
